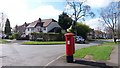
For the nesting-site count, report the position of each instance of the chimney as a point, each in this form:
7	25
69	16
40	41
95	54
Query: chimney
39	19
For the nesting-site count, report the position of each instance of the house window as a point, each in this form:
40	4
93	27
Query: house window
28	29
32	29
44	28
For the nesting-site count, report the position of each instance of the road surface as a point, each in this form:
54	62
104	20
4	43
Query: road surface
14	54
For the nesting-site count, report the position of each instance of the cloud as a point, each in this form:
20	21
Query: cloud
14	9
95	23
115	0
98	3
44	11
19	11
53	0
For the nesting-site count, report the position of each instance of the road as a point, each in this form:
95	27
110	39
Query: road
14	54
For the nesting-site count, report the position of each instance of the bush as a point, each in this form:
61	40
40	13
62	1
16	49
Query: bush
14	35
11	37
19	37
47	36
82	30
57	30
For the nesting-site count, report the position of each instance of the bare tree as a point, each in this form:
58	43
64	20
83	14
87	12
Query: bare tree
78	10
119	19
110	16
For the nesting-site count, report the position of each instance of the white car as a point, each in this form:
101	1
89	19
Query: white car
118	40
79	39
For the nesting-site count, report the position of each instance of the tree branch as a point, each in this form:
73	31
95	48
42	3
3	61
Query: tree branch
106	22
80	5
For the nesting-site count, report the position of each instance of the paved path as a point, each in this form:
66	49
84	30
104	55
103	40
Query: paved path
114	57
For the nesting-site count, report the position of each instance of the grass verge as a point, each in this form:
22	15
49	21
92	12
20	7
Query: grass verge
2	41
100	52
43	43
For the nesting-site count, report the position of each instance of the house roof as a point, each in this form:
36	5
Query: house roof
24	25
45	22
33	24
20	28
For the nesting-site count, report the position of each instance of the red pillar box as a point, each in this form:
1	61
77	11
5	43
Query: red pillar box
70	48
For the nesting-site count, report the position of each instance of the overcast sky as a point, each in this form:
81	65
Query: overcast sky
20	11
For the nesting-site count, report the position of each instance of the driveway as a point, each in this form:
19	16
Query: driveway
14	54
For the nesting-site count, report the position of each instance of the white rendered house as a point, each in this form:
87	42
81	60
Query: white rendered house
45	26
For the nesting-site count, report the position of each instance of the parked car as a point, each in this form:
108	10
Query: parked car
79	39
22	37
118	40
4	36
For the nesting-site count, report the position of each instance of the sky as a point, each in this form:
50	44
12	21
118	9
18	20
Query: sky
21	11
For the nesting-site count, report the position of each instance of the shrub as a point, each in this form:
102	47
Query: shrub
19	37
14	35
11	37
47	36
82	30
57	30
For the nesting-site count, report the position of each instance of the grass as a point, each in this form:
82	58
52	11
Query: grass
2	41
102	39
100	52
43	43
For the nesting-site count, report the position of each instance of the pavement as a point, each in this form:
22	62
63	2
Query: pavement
114	57
112	63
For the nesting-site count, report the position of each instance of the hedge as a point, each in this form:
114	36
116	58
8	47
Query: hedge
47	36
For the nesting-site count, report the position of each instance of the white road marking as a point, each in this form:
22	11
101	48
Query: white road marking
53	60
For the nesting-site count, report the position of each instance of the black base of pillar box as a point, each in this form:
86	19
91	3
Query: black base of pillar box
69	59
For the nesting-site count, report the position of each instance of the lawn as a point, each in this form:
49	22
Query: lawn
2	41
99	52
43	43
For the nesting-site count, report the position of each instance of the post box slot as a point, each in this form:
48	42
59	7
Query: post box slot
68	42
